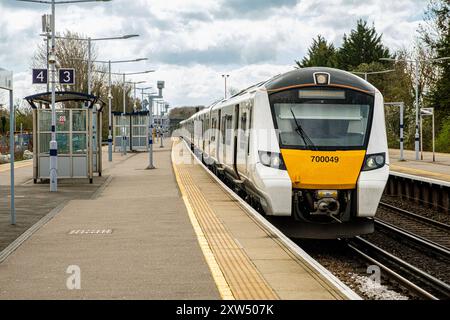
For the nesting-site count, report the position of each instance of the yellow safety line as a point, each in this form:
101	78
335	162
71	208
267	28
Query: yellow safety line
6	167
219	278
242	276
425	173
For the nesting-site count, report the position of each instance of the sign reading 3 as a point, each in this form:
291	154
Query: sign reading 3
67	76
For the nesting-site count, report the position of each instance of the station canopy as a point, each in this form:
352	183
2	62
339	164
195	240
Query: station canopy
62	96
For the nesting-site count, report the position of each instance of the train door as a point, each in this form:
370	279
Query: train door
242	141
228	147
234	146
248	134
221	144
212	137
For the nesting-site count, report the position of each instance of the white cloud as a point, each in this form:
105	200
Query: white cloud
192	42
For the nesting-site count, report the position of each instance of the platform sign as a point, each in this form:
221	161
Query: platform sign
6	79
426	111
67	76
40	76
62	120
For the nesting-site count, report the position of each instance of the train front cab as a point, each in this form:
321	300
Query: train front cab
332	143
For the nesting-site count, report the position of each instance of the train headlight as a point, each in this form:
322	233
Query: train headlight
272	159
374	161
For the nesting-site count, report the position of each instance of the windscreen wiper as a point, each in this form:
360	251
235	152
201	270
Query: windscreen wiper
308	142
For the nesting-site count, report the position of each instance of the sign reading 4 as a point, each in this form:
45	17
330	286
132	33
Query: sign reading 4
40	76
67	76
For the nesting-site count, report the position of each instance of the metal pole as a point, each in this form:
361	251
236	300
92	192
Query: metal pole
48	43
421	138
124	137
89	66
109	114
402	105
434	156
21	136
225	87
365	76
161	125
53	144
416	137
150	133
134	104
11	152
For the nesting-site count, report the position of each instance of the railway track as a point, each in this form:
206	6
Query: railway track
401	272
416	224
411	248
423	283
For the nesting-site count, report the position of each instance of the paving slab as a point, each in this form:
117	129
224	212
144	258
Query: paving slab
150	251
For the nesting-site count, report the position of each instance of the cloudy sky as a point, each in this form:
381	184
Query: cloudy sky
192	42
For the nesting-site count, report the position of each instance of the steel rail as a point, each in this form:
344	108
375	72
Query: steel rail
424	277
415	216
413	237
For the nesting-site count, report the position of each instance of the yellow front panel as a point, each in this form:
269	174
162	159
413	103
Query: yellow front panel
323	169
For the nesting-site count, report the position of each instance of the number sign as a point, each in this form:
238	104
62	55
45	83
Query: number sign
40	76
67	76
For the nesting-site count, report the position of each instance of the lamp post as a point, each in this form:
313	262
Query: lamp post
142	95
6	83
160	85
89	60
134	95
110	97
371	72
225	76
52	61
416	89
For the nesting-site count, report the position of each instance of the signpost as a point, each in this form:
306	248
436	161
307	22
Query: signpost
402	107
6	83
423	113
67	76
40	76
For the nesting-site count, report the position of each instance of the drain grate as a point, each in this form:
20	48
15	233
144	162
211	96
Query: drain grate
90	231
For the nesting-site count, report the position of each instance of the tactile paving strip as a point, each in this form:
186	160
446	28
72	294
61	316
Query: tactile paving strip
244	280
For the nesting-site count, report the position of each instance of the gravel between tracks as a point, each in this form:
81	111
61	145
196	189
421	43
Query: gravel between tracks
336	257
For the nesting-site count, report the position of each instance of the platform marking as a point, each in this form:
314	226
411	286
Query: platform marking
88	231
317	270
420	173
244	279
219	278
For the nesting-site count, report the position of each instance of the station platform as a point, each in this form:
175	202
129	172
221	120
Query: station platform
426	168
168	233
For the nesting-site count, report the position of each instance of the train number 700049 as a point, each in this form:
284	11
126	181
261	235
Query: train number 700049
325	159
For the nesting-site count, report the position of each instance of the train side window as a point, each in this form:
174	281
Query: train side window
243	130
213	126
223	129
228	126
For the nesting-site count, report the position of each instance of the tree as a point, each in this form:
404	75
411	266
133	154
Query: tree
436	34
74	54
363	45
320	54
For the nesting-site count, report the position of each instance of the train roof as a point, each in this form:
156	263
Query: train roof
306	77
303	77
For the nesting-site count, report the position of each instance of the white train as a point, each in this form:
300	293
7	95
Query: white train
308	148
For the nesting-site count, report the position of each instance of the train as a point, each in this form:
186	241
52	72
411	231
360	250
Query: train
307	148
